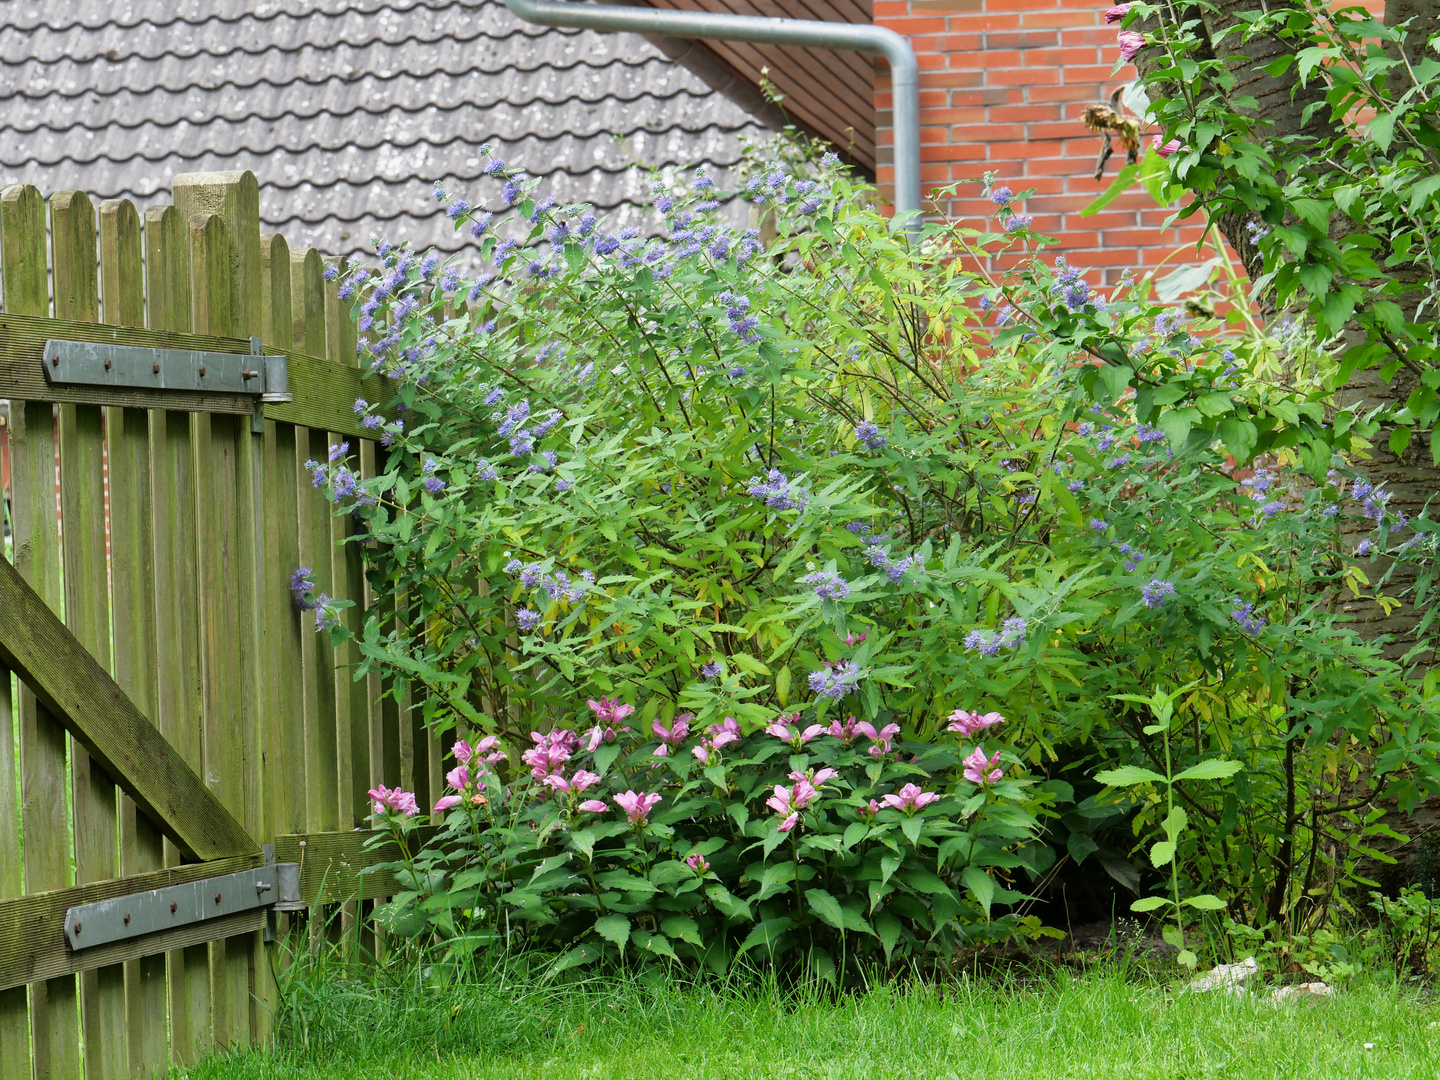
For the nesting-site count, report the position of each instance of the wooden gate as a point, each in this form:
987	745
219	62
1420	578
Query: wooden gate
173	710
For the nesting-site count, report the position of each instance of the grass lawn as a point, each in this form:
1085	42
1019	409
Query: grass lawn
1095	1026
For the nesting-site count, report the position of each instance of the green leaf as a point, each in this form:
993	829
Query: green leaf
1149	903
1382	130
1162	853
658	944
614	928
888	929
1127	776
765	933
1216	769
1080	846
911	827
1186	279
774	879
981	886
682	927
581	954
826	907
1205	902
1123	179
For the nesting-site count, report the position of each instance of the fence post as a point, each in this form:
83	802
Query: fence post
132	574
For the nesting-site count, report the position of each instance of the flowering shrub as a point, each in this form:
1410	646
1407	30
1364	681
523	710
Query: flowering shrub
823	844
762	492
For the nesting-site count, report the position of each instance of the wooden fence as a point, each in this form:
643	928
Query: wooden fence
164	532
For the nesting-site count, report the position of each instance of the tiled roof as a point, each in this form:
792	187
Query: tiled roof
347	111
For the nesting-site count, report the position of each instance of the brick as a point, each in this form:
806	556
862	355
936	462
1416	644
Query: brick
955	150
945	7
953	44
1027	151
1001	95
1062	93
1093	74
1036	77
991	59
950	79
1067	59
917	24
1029	39
1067	129
1061	19
974	115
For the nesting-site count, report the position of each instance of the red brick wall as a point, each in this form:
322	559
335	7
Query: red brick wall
1002	87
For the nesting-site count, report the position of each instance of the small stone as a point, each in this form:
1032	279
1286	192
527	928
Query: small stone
1228	977
1311	991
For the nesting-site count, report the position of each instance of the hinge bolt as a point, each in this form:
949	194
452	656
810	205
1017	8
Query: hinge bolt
55	360
107	363
127	918
172	907
217	897
156	368
77	928
202	371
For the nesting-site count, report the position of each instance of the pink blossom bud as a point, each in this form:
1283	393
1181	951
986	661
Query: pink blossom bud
594	806
1131	42
1117	13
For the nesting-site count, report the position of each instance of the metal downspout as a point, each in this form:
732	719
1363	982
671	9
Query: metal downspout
904	71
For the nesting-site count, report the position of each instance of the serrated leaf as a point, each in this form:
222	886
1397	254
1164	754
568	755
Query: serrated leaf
826	907
1149	903
888	929
981	886
765	933
682	927
1162	852
614	929
1127	776
1205	902
581	954
658	944
1216	769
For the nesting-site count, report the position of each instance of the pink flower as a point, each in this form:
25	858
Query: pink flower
1167	149
982	770
788	823
910	799
1131	42
702	753
871	810
851	640
550	751
844	732
462	751
636	806
698	864
594	806
486	748
383	799
610	710
675	734
881	738
817	779
662	751
788	802
723	734
458	777
583	780
968	724
1116	13
447	802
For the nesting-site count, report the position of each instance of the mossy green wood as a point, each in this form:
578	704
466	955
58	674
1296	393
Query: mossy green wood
331	863
69	683
132	571
225	646
180	708
54	1016
14	1012
32	938
74	264
285	762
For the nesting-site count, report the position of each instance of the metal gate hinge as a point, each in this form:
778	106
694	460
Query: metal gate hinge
90	363
125	917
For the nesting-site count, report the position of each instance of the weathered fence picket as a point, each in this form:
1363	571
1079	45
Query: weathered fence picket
164	528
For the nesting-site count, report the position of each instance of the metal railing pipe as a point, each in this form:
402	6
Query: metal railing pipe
816	34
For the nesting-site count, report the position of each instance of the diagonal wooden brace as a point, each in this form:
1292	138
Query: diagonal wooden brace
69	682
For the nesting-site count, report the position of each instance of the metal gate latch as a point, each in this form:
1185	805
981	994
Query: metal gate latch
133	916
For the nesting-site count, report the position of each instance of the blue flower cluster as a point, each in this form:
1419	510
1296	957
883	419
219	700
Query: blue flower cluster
774	491
827	585
1011	635
868	433
1156	592
835	681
